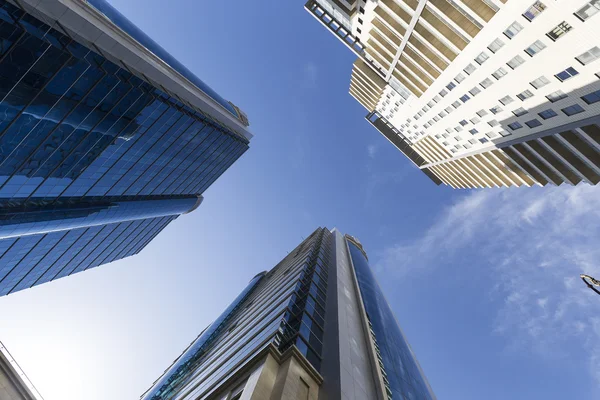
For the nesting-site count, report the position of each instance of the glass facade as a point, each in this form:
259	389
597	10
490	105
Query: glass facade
402	374
91	154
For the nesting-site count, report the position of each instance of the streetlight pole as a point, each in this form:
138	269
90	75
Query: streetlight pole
594	282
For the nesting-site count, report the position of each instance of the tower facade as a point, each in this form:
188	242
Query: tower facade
105	139
14	383
479	93
316	326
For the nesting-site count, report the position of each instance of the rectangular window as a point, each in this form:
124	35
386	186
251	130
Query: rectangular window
449	109
535	48
547	114
556	96
520	111
358	30
515	62
481	58
496	110
436	118
473	131
459	78
496	45
430	104
482	113
589	10
566	74
592	98
500	72
457	138
475	120
451	86
525	95
540	82
572	110
589	56
535	10
487	82
362	10
483	140
456	104
506	100
472	141
463	122
442	114
515	125
493	123
469	69
560	30
514	29
491	134
443	93
475	91
458	128
360	21
534	123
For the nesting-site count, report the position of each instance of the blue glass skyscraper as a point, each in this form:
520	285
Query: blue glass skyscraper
105	139
316	326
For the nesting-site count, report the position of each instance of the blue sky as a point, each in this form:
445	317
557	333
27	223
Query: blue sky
484	283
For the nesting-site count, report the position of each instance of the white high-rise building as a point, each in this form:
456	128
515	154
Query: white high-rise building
479	93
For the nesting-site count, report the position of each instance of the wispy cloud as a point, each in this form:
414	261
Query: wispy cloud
530	246
310	75
372	150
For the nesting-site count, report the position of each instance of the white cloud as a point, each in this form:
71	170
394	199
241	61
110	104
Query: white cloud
310	75
531	245
372	150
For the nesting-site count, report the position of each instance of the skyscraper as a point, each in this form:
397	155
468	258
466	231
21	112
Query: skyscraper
316	326
479	93
14	384
105	139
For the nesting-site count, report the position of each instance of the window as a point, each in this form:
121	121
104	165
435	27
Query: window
472	141
592	98
513	29
438	136
591	55
496	45
572	110
589	10
430	104
448	109
358	30
525	95
450	86
493	123
515	125
496	110
520	111
566	74
475	91
443	93
446	143
456	104
437	98
473	131
491	134
547	114
442	114
458	128
515	62
457	138
482	113
360	21
459	78
540	82
556	96
463	122
535	48
535	10
424	109
483	140
486	83
469	69
475	120
481	58
506	100
362	10
534	123
559	31
500	72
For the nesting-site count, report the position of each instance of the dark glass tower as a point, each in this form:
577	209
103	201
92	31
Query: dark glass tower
316	326
105	139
